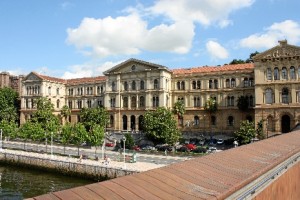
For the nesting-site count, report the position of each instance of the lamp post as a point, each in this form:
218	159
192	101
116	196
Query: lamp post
1	140
46	142
51	144
124	139
267	124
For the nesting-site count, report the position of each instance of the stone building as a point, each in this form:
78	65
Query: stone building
8	80
129	89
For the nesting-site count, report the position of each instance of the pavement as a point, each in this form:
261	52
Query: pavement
152	161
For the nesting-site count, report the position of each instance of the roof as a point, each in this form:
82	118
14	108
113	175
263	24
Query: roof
207	69
71	81
215	176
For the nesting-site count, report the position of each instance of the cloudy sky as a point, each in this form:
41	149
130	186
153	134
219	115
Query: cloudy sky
76	38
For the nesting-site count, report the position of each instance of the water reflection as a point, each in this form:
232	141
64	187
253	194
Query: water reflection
16	183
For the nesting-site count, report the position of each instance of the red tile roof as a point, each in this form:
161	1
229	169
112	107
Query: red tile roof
215	176
72	81
207	69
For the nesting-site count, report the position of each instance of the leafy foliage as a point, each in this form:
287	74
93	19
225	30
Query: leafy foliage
96	136
259	130
65	112
179	108
240	61
31	130
160	126
9	128
243	103
79	135
9	104
129	143
92	116
44	115
211	105
246	132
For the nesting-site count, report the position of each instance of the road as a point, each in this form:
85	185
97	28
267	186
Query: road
90	152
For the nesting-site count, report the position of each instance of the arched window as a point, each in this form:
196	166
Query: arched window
133	85
125	86
210	84
196	120
246	82
142	85
196	101
284	73
57	90
285	95
156	86
142	101
178	85
269	96
57	103
155	101
228	83
232	101
113	86
111	121
251	82
233	84
230	121
269	74
216	84
251	101
276	74
49	90
194	85
125	102
292	72
213	120
198	84
133	102
182	85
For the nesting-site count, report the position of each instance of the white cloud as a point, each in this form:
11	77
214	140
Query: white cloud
130	35
216	50
88	70
288	29
205	12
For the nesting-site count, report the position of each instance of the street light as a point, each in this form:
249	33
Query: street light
51	143
1	140
46	142
124	139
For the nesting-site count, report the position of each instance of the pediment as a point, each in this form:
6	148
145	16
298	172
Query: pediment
134	65
32	77
283	50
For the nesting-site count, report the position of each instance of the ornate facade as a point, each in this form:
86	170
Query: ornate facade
131	88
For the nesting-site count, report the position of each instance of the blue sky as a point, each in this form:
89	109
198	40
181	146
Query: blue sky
71	39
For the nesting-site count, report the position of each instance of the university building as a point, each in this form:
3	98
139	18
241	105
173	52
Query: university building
271	85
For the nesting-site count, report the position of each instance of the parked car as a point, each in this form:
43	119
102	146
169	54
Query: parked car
183	149
136	148
191	147
109	144
220	141
148	147
212	149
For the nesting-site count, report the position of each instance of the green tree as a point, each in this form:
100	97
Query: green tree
250	59
260	130
179	109
96	136
31	131
65	112
160	126
44	115
79	135
9	129
92	116
237	61
9	104
66	135
129	143
246	132
210	106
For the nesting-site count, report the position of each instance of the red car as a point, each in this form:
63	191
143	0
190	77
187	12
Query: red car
109	144
136	148
191	147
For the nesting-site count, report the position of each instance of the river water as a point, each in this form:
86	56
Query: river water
17	183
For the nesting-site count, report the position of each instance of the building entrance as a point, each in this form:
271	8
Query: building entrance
285	124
